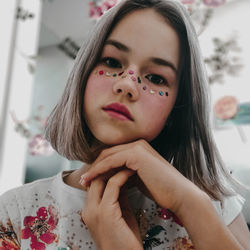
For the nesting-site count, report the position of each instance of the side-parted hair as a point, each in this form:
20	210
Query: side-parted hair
186	140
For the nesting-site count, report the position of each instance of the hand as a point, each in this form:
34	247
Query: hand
165	184
108	216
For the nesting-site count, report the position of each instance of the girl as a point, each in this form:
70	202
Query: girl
134	110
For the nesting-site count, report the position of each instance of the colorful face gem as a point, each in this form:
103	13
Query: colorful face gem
133	78
139	79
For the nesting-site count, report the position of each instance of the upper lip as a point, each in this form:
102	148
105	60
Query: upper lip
119	108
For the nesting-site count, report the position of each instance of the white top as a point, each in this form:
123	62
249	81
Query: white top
45	214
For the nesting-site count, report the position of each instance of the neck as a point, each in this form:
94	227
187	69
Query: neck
74	178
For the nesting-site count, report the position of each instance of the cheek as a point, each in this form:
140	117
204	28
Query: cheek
96	86
158	107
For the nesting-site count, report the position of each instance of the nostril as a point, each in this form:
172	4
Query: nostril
119	90
130	95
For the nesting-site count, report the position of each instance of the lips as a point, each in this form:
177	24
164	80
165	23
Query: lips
119	111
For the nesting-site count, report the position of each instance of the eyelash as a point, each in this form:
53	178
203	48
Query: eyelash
108	61
150	77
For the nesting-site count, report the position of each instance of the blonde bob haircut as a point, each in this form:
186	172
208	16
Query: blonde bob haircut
186	139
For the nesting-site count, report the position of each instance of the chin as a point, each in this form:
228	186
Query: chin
113	140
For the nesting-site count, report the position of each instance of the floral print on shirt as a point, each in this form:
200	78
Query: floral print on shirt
8	239
40	228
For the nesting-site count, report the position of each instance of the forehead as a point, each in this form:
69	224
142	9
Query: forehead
147	32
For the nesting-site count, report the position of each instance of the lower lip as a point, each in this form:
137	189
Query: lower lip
117	115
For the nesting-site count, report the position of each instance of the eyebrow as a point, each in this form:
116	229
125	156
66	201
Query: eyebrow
155	60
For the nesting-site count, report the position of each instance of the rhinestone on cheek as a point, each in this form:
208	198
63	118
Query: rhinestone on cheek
166	93
151	91
144	88
161	93
101	72
139	79
131	72
108	74
119	74
114	75
133	78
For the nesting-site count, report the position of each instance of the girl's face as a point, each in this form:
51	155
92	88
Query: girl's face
132	90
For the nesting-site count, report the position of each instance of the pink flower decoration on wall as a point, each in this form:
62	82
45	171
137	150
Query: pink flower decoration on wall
214	3
187	1
40	146
96	10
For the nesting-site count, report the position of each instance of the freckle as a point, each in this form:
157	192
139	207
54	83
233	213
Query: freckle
101	72
131	72
133	78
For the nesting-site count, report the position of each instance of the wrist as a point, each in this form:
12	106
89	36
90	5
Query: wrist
193	201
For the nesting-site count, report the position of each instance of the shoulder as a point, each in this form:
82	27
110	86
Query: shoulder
24	194
229	208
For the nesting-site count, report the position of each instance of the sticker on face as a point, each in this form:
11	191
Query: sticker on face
132	76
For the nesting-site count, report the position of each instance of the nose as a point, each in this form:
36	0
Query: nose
126	87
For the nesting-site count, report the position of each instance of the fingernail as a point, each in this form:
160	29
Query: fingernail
83	181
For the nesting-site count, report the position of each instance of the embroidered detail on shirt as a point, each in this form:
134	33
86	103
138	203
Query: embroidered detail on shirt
8	238
39	228
182	244
166	214
150	240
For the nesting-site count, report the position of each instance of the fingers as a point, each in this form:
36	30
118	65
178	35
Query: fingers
111	162
114	184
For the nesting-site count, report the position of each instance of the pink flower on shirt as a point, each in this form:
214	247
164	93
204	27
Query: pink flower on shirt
39	228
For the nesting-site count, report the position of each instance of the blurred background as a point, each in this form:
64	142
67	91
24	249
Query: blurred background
39	41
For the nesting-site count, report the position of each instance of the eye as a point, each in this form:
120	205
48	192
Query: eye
156	79
111	62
